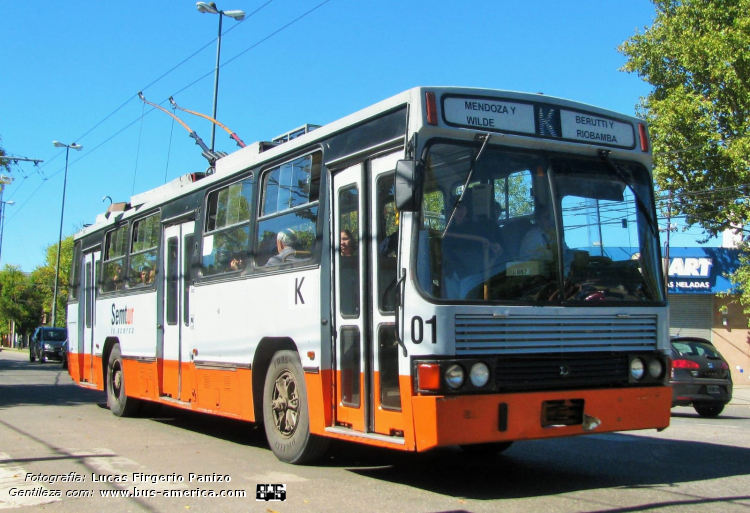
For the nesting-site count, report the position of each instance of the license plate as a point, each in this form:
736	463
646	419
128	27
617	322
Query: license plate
713	390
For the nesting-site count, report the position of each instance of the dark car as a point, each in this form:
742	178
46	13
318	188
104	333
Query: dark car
47	343
700	376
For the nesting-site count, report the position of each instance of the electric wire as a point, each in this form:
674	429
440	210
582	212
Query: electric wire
89	152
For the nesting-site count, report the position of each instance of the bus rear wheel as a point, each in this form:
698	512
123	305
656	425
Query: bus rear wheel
118	403
285	413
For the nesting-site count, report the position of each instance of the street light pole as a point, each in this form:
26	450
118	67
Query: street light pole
67	147
3	206
237	15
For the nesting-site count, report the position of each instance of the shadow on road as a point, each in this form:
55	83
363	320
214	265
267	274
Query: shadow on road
551	467
60	391
527	469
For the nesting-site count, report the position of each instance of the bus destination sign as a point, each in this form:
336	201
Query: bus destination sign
537	119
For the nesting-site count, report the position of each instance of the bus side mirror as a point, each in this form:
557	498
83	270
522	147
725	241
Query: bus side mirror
406	186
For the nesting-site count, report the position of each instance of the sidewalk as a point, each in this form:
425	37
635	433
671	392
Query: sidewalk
740	395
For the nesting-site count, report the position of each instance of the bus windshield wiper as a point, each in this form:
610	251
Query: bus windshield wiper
622	177
466	183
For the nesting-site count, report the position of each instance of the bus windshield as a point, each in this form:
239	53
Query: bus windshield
531	227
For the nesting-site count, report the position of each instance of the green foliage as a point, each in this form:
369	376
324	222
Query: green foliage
20	301
24	298
43	278
4	163
696	56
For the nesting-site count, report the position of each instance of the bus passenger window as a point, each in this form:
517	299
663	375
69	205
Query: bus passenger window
348	251
226	240
390	394
350	366
114	260
144	250
287	227
387	225
75	273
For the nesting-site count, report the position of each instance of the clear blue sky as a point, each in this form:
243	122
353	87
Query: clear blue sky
71	72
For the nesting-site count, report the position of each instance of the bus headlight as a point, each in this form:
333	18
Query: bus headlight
655	368
454	375
479	374
637	369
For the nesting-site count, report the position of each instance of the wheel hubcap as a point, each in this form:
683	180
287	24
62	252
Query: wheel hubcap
285	404
116	380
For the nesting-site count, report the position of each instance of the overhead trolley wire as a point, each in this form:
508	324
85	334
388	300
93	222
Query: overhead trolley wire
20	208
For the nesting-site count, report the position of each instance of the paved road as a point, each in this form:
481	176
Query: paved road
51	427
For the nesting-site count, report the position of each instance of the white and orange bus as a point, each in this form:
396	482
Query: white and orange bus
445	267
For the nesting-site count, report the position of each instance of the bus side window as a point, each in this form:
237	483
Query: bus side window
143	251
387	220
287	226
226	239
75	273
114	259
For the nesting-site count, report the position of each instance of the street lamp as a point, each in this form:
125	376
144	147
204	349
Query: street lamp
77	147
210	8
3	204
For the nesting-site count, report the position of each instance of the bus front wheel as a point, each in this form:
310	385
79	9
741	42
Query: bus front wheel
285	412
119	403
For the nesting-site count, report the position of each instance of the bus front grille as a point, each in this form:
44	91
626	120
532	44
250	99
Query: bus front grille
547	372
528	334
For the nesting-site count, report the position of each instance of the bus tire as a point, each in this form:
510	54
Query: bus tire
488	449
285	412
119	404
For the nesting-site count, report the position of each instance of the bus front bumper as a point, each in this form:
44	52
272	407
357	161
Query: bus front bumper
471	419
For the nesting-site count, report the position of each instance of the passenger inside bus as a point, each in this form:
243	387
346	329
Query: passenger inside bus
540	240
286	242
237	263
471	245
146	276
348	243
118	278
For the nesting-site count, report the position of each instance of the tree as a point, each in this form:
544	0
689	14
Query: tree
20	301
43	278
4	163
696	56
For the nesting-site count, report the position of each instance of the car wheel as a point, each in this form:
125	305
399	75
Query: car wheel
488	449
285	413
712	410
32	358
119	404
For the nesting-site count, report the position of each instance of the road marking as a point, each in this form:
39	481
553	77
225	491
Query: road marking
13	477
103	463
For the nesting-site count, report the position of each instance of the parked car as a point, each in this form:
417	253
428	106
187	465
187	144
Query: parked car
700	376
47	343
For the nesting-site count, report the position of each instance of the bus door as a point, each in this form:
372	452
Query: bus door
366	364
388	418
88	314
176	319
